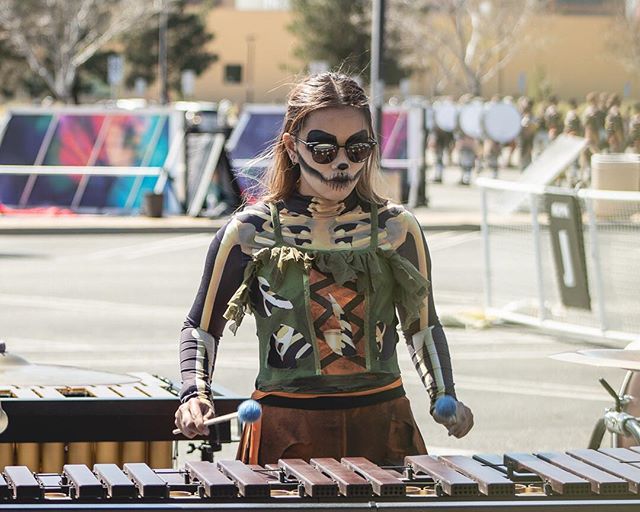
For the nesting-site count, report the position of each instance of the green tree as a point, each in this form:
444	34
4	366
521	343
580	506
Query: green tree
339	32
187	39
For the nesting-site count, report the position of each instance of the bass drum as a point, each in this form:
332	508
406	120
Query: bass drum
631	387
470	119
501	122
445	115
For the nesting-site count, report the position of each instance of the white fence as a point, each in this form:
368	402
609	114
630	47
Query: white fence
521	278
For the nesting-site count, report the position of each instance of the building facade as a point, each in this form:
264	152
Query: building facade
569	54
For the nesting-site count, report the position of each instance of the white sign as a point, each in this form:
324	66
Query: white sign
188	82
140	86
318	66
115	69
555	158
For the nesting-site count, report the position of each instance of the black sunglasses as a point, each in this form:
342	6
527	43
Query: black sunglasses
326	152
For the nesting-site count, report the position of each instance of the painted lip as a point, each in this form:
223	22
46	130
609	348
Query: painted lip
341	180
338	180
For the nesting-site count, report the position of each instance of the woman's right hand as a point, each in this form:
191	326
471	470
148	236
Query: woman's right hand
191	415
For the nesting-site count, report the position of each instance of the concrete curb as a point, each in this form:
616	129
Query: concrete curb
113	230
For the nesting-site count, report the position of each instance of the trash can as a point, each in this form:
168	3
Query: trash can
153	204
615	171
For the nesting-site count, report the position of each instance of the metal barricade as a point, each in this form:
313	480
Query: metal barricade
526	277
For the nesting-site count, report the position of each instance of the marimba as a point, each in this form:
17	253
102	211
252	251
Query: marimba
50	426
584	480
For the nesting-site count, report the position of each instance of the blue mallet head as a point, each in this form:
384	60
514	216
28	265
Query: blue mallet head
249	411
445	406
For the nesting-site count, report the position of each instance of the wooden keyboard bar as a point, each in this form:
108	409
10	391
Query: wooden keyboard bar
497	462
5	492
315	484
149	484
83	483
349	483
22	482
115	481
381	481
630	473
214	483
560	481
48	392
623	455
451	482
249	483
490	481
601	482
175	480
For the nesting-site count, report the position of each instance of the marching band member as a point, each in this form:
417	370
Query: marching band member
634	130
614	125
553	119
573	126
329	269
529	127
591	121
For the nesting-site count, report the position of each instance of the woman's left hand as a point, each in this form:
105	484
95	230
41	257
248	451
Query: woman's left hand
460	423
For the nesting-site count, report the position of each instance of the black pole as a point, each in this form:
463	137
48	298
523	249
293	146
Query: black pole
251	39
377	54
162	55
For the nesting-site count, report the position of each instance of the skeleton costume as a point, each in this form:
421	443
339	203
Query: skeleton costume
328	284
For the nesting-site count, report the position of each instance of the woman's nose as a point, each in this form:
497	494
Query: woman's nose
341	161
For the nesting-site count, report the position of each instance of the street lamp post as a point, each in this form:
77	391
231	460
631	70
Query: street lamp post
251	50
162	54
377	54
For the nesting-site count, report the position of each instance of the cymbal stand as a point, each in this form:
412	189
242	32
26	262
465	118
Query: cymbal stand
615	420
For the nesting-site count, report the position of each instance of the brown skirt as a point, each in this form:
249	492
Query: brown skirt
383	433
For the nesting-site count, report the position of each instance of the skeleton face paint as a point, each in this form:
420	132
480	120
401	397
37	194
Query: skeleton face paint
338	180
339	129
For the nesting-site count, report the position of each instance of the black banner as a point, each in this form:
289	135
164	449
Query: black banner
565	228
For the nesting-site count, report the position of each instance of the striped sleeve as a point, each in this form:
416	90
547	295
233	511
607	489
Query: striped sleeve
425	338
202	329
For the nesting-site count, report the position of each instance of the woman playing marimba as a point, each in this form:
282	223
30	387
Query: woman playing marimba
328	268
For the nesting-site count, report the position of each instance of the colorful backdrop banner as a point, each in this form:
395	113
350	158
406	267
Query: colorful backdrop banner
78	139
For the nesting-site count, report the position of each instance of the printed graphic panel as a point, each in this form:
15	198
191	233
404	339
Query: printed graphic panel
100	139
22	139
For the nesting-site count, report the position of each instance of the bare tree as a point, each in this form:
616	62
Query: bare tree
466	41
55	37
623	40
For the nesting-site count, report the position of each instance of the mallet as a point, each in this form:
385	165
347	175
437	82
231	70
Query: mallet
249	411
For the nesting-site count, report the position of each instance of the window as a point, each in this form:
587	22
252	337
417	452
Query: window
594	7
233	73
262	5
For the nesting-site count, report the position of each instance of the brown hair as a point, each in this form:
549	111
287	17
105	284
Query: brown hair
315	92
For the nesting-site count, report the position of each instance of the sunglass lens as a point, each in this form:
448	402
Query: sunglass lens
324	153
359	151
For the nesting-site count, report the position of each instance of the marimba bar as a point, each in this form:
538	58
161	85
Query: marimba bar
50	426
562	482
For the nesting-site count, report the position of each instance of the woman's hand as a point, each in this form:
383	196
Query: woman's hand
191	415
460	423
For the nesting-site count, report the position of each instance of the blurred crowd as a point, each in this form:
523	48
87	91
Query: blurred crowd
606	124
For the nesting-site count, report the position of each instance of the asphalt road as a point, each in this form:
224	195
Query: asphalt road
116	302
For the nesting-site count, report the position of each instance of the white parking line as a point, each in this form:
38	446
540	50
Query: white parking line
88	305
532	388
139	250
453	241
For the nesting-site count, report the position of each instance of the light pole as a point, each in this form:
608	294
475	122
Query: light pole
377	54
162	54
251	49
